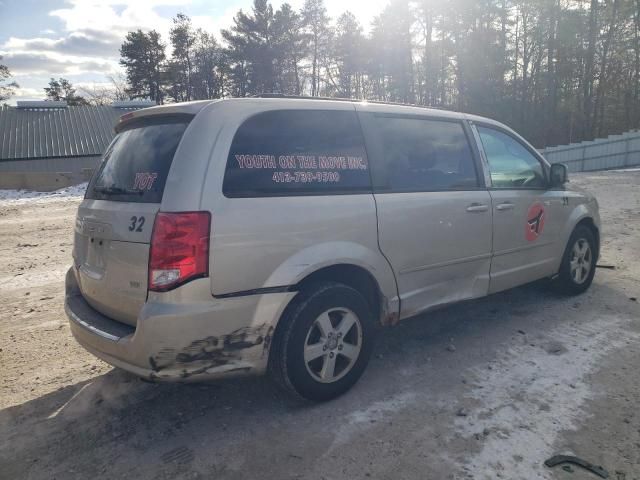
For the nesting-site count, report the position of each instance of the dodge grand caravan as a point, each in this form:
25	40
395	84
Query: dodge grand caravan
243	236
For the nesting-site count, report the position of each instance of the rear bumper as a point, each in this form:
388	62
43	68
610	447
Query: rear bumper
197	340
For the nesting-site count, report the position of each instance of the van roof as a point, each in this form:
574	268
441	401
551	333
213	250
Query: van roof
194	107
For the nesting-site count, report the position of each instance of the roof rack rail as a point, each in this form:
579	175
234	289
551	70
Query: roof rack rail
342	99
305	97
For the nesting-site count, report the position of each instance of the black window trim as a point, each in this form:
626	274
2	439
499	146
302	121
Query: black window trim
533	152
480	182
257	193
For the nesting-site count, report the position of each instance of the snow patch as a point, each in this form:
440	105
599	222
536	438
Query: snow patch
379	410
532	394
365	418
20	197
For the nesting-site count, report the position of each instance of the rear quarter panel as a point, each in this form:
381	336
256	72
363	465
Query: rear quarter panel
278	241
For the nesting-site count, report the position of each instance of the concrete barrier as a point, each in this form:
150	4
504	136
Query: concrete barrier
40	181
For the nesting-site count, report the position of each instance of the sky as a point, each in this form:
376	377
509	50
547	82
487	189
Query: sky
80	39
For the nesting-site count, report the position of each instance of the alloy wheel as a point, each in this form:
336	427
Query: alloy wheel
333	345
580	262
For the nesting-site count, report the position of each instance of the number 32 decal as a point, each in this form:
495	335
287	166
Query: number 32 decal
136	224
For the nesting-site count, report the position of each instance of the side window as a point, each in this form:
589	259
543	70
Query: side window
510	163
418	154
297	152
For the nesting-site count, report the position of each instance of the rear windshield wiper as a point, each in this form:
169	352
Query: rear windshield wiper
117	191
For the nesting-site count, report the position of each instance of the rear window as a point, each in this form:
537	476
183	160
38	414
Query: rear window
297	152
136	164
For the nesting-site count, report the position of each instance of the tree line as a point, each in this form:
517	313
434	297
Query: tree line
558	71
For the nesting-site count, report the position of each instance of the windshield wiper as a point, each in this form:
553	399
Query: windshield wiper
117	191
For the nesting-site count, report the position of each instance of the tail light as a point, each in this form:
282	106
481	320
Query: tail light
179	249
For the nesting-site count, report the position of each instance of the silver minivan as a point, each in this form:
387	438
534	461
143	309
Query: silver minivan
237	236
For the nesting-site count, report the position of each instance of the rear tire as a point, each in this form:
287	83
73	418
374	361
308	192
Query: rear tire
324	343
578	262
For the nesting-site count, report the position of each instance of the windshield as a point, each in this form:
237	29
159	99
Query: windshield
136	164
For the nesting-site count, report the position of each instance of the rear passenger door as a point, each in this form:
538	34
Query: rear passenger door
527	216
434	215
294	195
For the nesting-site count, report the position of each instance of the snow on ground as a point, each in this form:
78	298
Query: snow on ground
532	374
362	418
18	197
549	379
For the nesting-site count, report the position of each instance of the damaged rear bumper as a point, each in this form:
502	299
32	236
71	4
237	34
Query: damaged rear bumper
181	341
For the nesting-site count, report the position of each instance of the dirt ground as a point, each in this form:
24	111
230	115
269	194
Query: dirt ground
487	389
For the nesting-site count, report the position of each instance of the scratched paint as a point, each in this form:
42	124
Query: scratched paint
210	352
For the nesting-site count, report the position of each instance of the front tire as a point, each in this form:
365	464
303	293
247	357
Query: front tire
578	263
325	342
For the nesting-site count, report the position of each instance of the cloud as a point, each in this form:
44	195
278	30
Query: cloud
85	42
28	93
81	40
90	42
115	15
98	27
52	65
214	24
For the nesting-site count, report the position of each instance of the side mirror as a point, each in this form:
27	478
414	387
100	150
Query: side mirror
559	174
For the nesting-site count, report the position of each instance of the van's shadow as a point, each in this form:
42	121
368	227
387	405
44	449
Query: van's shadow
88	427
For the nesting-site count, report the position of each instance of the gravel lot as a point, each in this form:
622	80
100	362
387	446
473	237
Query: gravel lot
487	389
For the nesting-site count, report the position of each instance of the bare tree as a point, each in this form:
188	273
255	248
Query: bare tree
7	88
118	83
97	94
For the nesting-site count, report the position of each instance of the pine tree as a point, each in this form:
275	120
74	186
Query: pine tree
251	50
63	90
348	56
316	24
143	56
183	38
291	48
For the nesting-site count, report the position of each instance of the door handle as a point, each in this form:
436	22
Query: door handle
504	206
477	207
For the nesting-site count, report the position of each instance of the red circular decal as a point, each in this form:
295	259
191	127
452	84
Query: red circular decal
535	221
